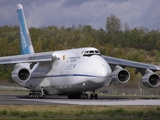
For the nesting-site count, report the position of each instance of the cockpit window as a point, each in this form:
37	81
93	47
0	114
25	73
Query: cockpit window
96	51
89	53
86	51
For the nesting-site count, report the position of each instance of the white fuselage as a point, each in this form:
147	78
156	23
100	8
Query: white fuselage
71	72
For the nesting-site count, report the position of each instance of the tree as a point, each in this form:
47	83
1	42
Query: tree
113	24
126	27
136	56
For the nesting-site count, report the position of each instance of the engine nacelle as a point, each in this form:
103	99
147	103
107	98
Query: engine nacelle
21	74
151	79
120	75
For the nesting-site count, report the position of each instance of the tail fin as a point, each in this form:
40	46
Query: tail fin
25	40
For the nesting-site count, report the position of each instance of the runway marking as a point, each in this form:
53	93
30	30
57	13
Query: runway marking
98	102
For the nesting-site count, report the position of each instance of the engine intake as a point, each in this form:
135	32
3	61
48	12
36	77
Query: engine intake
151	79
23	74
20	74
120	75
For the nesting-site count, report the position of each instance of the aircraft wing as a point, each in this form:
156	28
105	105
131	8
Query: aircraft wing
28	58
128	63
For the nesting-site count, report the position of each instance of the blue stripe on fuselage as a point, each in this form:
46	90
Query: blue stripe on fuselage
69	75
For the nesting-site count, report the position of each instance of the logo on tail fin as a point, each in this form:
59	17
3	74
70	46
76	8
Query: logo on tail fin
23	40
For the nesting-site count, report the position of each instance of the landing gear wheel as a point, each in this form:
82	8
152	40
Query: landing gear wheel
91	96
94	96
37	94
42	96
86	96
78	96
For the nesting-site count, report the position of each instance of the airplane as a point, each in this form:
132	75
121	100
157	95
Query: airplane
70	72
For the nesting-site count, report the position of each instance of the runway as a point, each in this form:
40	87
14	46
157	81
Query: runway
23	100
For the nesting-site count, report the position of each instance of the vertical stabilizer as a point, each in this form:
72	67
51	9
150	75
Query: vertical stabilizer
25	40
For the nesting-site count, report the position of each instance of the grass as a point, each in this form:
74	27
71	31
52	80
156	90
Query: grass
17	92
15	112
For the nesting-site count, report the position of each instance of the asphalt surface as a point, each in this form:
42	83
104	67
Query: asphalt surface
13	99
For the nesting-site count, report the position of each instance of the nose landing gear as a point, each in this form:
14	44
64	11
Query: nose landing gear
94	95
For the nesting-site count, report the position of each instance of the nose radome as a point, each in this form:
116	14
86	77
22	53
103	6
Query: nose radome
101	71
101	67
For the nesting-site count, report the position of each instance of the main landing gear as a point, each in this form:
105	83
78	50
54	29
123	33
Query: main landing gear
37	94
94	95
78	96
83	95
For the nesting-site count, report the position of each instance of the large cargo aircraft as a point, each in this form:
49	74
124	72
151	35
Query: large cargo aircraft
70	72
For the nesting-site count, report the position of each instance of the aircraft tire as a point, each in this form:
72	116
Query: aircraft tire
91	96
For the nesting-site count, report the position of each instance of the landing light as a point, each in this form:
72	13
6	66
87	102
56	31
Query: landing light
84	84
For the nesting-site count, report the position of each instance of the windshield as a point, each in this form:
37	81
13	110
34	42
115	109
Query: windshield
89	53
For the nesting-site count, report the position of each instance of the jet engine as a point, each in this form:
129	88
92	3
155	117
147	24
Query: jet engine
20	74
151	79
120	75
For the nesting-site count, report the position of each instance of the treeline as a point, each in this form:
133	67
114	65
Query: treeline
132	44
53	38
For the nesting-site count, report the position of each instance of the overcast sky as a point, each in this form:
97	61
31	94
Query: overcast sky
41	13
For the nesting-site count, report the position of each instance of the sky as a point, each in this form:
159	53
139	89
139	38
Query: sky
41	13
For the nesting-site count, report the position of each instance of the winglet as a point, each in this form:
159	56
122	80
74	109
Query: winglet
25	40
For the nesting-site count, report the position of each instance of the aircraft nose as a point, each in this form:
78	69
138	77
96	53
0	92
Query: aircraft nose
103	71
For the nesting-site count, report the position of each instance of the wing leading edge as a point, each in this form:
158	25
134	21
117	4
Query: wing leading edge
28	58
128	63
